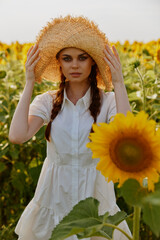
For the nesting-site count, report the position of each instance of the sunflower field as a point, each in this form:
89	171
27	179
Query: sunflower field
20	165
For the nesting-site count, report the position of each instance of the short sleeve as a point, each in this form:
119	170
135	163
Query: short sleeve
41	106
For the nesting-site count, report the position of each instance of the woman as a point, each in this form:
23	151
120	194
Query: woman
71	50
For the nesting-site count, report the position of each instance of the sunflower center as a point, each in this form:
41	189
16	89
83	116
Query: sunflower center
130	155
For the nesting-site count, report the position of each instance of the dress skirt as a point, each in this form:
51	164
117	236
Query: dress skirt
59	188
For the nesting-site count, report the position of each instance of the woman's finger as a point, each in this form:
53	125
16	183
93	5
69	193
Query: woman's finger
112	58
109	64
34	49
109	50
29	50
116	53
35	62
33	57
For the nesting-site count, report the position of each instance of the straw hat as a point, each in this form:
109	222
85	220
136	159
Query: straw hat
76	32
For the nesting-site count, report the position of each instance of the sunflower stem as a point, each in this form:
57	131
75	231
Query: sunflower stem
143	88
136	222
115	227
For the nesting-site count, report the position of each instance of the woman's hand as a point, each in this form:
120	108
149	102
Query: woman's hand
32	59
113	61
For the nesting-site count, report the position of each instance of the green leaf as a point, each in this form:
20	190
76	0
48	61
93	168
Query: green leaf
134	96
157	186
14	154
2	117
35	172
83	221
4	150
83	215
145	51
2	167
133	193
151	215
150	75
135	63
156	106
2	74
136	195
103	230
153	198
18	178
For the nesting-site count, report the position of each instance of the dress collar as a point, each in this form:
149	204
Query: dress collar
85	99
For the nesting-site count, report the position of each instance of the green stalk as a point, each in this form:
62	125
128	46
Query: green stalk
136	222
143	89
119	229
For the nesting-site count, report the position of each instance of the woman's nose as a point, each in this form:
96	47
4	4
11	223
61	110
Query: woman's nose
75	63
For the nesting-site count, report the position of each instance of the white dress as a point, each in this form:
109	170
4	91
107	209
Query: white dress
69	173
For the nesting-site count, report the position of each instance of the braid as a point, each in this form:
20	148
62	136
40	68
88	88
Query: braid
57	103
95	95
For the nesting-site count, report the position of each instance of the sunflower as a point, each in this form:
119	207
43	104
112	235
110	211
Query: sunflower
158	55
128	147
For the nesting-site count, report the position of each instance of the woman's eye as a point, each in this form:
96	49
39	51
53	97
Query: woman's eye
66	59
83	58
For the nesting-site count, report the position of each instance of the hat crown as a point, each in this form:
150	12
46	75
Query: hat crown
76	32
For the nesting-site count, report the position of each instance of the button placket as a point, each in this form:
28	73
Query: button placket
75	156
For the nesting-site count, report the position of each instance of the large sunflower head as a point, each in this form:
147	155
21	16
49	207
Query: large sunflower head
128	147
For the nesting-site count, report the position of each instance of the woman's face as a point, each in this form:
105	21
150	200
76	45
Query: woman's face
75	64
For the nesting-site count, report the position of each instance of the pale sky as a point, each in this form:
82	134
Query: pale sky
120	20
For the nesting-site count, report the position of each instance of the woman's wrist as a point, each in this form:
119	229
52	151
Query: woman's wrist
30	83
29	86
119	84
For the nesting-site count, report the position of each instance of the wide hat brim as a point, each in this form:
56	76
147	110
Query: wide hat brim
66	32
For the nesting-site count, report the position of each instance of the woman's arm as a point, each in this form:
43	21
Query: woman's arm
121	97
122	102
23	126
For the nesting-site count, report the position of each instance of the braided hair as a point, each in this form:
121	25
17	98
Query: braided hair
95	102
95	95
57	103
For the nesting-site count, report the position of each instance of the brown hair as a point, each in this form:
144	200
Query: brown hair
94	106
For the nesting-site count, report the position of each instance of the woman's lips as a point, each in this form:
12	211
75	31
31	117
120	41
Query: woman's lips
75	74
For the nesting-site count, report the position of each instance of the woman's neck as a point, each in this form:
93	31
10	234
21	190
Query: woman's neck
76	91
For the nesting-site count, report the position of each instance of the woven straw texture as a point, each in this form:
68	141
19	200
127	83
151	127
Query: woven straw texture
76	32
